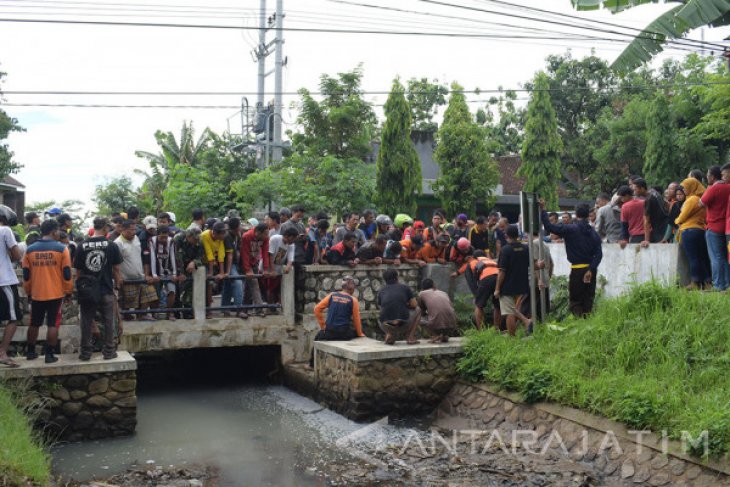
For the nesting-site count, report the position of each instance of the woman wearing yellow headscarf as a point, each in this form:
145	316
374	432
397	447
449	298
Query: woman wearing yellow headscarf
691	233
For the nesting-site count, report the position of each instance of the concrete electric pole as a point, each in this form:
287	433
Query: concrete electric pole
278	73
268	119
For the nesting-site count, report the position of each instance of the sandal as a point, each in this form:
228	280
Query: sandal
10	363
412	342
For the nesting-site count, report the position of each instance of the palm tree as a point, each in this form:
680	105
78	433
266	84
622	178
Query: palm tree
172	154
673	24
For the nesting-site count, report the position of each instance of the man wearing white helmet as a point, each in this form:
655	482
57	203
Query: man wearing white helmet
9	301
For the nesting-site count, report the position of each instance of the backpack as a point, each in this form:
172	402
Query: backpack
88	289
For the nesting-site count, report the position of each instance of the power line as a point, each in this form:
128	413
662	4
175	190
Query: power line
537	19
297	14
595	21
476	91
286	29
432	14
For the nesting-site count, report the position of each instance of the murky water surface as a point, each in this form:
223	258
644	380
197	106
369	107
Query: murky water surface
254	435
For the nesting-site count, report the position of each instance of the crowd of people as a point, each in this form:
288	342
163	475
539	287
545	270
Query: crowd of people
144	266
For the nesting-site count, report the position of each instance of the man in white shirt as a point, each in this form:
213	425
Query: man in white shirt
281	252
134	296
9	301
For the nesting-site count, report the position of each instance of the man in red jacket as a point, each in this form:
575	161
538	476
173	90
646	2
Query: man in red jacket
255	256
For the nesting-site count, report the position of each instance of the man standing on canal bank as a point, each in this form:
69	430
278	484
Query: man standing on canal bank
47	280
97	266
583	249
343	316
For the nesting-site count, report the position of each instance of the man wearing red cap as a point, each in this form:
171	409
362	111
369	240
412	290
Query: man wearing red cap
416	229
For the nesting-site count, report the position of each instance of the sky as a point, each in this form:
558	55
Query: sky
66	151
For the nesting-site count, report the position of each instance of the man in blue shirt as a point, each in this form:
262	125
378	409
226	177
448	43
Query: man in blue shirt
583	249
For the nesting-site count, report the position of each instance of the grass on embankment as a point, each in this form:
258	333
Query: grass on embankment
22	458
658	359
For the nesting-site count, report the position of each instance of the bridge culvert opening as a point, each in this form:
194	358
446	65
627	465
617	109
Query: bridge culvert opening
208	367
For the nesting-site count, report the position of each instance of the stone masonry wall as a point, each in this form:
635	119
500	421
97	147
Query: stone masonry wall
320	280
586	439
84	406
373	389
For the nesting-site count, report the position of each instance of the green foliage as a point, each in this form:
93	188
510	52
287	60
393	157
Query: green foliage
536	384
7	125
673	24
619	140
578	108
398	180
189	173
328	184
342	125
715	119
657	358
503	123
326	170
22	456
115	194
542	146
661	150
424	98
468	175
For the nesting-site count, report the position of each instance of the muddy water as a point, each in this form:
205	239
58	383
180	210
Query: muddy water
253	435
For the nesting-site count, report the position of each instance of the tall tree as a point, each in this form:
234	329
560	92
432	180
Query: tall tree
542	146
425	97
398	179
7	125
661	149
342	125
327	169
468	173
673	24
579	90
619	142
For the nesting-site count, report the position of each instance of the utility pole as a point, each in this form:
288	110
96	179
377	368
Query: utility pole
268	121
278	68
261	55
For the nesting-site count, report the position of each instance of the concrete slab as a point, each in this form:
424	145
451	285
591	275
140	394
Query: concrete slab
69	364
65	332
367	349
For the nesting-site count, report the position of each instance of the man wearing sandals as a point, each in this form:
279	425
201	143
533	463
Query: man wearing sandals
399	311
441	317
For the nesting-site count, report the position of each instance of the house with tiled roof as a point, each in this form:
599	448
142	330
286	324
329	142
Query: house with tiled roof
12	194
507	191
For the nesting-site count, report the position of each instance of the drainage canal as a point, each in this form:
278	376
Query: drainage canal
217	408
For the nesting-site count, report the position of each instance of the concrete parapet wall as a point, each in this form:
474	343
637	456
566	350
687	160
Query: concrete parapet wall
624	267
551	429
79	400
155	336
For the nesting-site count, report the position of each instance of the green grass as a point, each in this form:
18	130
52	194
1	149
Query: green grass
657	358
22	456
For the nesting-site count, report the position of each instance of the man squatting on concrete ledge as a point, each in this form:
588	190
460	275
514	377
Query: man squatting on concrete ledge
343	315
